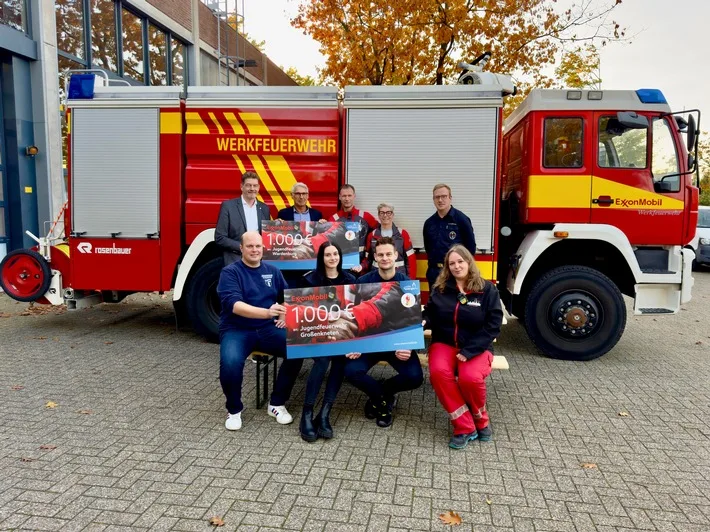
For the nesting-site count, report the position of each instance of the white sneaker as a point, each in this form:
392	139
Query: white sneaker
281	414
234	421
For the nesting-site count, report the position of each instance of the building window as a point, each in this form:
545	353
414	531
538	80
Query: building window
563	142
12	13
132	44
70	27
177	62
158	53
104	48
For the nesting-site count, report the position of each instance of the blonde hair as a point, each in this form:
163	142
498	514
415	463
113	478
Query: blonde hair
441	185
474	281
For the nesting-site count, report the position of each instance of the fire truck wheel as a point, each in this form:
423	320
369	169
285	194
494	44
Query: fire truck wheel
202	301
575	313
25	275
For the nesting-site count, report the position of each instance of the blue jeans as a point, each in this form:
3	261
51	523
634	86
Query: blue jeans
234	348
317	375
409	374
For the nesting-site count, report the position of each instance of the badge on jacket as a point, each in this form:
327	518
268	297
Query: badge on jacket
452	235
474	303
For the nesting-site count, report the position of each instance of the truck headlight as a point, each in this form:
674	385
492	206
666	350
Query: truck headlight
705	241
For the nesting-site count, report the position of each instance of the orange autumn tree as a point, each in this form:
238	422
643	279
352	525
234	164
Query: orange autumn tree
391	42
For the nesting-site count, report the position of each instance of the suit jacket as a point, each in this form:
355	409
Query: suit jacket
287	214
232	224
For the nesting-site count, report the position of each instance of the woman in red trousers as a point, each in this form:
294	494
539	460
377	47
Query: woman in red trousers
465	316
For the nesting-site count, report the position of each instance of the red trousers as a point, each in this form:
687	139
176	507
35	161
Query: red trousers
464	400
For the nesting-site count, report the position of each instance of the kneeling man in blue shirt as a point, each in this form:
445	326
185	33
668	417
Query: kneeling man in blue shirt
252	320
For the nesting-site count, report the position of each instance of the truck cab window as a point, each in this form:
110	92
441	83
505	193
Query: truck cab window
563	142
664	159
621	147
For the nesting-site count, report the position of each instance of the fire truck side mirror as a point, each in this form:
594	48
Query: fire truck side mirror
632	120
692	133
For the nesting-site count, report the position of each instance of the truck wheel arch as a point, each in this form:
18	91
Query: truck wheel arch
193	259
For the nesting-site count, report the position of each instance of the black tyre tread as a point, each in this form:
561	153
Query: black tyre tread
196	300
45	269
530	313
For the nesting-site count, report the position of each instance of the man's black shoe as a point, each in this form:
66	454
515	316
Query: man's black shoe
460	441
384	414
370	410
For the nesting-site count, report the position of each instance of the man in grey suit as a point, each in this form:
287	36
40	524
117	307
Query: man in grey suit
239	215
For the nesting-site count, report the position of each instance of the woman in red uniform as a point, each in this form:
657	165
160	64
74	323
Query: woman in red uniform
465	316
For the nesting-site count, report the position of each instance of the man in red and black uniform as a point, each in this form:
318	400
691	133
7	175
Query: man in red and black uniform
378	306
406	261
348	213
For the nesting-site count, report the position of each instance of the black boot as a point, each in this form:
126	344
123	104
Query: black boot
308	431
322	422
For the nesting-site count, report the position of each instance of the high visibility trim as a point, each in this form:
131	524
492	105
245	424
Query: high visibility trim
170	122
236	126
269	185
460	411
220	129
254	123
479	414
410	252
195	124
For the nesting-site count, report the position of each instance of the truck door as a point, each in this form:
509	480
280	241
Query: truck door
635	185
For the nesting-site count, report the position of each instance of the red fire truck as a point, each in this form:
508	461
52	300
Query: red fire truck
579	198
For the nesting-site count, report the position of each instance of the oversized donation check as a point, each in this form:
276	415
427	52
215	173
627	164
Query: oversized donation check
295	245
353	318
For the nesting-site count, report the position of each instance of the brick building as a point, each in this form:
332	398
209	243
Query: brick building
151	42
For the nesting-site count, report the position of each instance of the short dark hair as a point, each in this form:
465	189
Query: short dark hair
346	185
249	175
385	241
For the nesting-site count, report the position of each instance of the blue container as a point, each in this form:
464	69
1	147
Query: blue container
81	86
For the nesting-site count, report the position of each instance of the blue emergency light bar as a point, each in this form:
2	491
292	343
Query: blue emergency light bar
81	86
651	96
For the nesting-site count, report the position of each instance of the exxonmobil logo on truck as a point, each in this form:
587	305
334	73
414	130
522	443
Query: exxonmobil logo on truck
86	247
639	202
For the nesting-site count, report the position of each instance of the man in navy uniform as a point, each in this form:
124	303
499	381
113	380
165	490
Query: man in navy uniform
446	227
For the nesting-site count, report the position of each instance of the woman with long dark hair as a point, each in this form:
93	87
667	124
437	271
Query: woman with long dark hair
328	272
465	315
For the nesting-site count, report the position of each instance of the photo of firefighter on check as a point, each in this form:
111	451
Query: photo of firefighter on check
290	245
363	318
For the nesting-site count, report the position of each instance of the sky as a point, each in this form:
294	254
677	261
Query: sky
667	51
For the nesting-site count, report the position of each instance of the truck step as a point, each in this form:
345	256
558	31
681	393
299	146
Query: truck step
656	311
658	272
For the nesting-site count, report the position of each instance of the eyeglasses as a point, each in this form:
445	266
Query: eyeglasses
442	197
300	193
386	213
463	298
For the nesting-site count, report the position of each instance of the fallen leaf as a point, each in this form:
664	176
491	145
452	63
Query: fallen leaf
108	343
51	404
216	521
623	414
451	518
5	315
588	465
86	412
26	459
698	342
47	447
17	388
488	501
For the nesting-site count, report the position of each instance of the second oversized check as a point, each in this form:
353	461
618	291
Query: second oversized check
353	318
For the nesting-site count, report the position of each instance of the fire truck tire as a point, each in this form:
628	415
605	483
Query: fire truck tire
25	275
575	313
202	302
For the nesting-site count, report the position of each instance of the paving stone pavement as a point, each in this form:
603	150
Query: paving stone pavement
140	439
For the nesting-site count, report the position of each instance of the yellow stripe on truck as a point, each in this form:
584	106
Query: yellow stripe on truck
560	191
488	269
254	123
236	126
220	129
281	171
170	122
195	124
